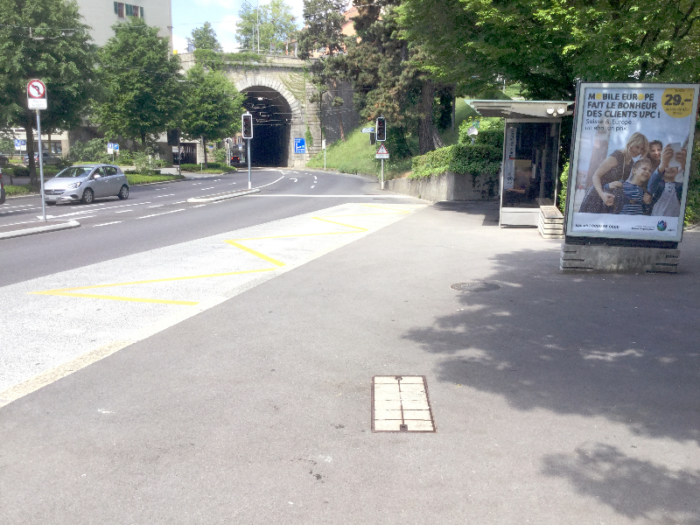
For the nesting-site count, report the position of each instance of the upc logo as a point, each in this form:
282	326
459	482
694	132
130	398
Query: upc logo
661	226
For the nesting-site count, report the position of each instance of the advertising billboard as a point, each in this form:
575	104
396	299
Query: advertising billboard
629	170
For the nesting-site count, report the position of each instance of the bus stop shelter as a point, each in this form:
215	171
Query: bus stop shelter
530	166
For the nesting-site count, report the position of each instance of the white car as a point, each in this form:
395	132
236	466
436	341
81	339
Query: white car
86	183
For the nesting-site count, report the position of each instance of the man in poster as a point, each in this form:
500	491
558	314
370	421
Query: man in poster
631	154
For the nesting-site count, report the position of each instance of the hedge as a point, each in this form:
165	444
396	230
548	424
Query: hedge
481	159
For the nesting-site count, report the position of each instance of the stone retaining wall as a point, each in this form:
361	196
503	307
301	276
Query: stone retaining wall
448	187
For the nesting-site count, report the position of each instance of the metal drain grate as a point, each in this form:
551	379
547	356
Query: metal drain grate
401	404
476	286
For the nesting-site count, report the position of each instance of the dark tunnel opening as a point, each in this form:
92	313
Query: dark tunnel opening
272	119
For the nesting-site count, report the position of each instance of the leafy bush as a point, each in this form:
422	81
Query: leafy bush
143	162
13	191
20	171
125	158
564	178
483	157
692	209
460	158
220	156
94	150
309	138
491	131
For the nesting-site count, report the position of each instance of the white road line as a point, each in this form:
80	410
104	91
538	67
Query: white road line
270	184
107	223
334	196
23	206
179	202
161	196
312	187
204	189
123	211
159	214
74	213
157	206
294	180
199	206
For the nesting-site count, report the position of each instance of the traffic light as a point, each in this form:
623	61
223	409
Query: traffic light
247	125
380	129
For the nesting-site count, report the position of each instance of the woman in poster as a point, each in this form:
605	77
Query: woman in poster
616	167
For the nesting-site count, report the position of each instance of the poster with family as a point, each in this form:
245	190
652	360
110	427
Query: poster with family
631	160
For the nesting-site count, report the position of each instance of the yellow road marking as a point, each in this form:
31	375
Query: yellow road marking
69	292
116	298
257	254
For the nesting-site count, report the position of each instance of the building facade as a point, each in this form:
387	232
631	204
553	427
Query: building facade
101	15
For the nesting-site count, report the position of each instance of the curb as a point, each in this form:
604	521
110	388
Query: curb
40	229
223	197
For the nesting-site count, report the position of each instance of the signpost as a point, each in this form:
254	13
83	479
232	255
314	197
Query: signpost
36	99
247	132
323	145
382	152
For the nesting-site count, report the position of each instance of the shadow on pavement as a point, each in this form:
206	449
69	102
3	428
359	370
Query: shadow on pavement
623	347
489	209
634	488
620	347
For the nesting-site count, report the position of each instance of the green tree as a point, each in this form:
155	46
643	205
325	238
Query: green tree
547	44
205	38
35	43
212	107
207	49
389	80
266	28
323	25
142	93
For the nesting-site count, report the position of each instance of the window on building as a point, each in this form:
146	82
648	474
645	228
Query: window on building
123	10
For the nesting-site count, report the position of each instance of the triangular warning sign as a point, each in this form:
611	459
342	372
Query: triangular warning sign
382	150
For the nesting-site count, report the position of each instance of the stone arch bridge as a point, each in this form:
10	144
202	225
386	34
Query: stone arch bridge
278	92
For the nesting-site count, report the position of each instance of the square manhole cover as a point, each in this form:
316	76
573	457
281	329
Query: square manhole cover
401	404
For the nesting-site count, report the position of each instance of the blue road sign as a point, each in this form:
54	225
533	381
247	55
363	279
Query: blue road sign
115	147
19	144
299	145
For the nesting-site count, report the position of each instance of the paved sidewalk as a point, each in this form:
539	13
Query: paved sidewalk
558	398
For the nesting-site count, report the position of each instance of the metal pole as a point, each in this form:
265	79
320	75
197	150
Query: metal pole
41	165
249	186
382	173
324	158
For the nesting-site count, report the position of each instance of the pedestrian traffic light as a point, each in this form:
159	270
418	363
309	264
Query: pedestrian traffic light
247	125
380	129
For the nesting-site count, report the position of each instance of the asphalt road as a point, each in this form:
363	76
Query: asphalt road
558	398
159	215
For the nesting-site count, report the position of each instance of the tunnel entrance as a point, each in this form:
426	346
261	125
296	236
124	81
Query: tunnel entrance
272	119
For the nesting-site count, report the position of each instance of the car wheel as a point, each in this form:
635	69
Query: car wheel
50	203
88	196
124	192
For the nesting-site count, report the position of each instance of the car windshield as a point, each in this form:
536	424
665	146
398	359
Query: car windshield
75	171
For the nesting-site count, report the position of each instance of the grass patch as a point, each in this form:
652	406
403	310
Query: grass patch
462	112
14	191
356	155
135	178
